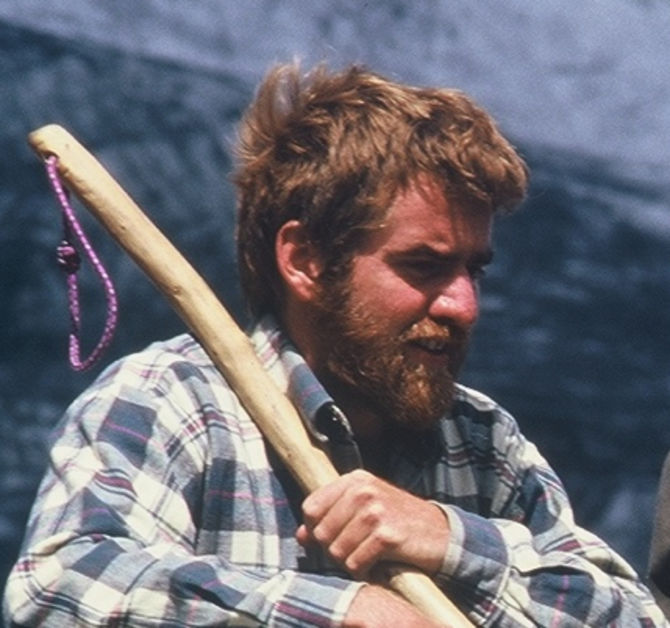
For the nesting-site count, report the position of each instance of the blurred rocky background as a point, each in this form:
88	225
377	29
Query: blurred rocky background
573	338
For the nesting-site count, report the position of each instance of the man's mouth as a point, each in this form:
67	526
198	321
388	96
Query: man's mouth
432	345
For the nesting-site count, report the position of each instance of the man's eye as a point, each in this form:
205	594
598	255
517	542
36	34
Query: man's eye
423	268
426	270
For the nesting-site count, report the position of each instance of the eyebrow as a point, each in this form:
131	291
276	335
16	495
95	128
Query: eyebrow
483	257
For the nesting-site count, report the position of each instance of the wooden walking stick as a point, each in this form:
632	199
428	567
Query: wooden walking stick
228	347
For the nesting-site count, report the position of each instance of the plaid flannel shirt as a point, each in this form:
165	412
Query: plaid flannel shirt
163	506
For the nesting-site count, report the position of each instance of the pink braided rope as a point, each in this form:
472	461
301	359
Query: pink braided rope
69	260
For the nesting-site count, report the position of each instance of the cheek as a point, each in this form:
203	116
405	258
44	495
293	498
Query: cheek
391	299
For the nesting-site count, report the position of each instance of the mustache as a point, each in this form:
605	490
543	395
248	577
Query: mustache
428	329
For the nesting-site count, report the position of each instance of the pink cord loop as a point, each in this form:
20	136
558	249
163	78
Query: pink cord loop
69	260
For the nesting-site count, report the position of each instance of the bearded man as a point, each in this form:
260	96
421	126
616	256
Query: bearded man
365	221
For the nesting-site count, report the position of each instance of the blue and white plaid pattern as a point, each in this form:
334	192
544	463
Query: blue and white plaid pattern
163	506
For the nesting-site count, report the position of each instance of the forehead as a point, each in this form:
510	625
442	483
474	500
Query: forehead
421	215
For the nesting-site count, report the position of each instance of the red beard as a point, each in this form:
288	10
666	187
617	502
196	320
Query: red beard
408	379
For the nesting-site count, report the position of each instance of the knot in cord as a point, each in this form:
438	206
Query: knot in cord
68	258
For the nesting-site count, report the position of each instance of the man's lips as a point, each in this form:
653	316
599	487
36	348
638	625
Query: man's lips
436	351
433	353
432	345
439	345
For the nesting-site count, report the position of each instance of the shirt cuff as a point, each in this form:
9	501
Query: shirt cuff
476	558
308	599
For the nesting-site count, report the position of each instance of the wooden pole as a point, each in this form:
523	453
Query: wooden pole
228	347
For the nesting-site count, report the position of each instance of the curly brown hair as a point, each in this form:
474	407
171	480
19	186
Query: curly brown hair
332	149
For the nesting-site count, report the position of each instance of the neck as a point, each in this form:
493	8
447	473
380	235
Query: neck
366	422
368	427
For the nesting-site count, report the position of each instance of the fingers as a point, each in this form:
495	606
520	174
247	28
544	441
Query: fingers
352	521
360	519
360	553
319	503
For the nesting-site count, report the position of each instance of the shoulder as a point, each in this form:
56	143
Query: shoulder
484	437
480	421
162	364
161	356
474	407
164	400
475	398
168	378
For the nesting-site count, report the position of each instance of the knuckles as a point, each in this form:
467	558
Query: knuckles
370	503
360	520
321	535
372	513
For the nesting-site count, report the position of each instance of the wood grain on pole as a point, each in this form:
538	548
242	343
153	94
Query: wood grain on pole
227	345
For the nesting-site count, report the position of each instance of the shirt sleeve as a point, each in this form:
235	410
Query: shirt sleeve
113	533
526	563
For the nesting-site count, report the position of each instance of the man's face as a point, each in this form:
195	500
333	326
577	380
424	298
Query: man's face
398	324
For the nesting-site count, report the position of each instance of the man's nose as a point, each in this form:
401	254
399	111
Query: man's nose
456	301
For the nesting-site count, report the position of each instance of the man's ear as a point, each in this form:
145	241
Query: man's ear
298	262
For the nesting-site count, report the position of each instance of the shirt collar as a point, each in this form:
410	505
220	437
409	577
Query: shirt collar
316	407
290	372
